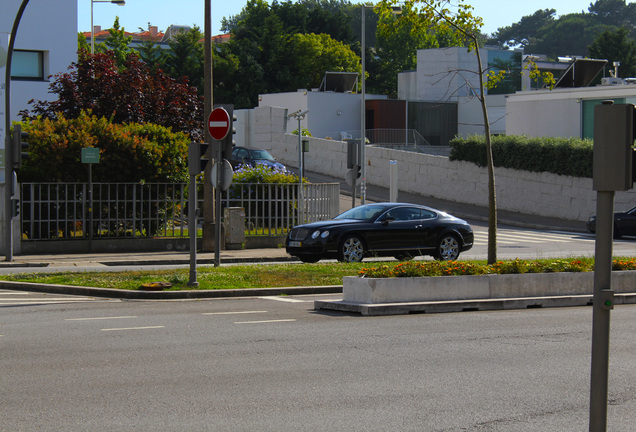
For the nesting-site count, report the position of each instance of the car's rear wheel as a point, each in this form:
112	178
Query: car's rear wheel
351	249
309	259
447	248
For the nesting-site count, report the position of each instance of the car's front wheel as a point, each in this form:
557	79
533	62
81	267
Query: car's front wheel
447	248
351	249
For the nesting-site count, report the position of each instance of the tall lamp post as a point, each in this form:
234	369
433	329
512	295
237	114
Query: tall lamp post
300	115
363	111
117	2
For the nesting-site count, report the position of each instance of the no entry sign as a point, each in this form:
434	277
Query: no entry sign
219	123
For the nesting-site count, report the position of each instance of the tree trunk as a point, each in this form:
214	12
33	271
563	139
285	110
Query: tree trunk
492	196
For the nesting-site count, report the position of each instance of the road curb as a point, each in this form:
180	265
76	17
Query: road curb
166	295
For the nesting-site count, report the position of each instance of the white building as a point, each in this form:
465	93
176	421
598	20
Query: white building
45	44
451	75
562	112
329	114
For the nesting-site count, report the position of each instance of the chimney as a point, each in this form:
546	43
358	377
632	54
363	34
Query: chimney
97	29
154	30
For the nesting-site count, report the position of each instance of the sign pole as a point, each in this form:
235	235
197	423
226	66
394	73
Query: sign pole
192	228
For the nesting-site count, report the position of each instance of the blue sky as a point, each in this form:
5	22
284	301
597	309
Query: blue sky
162	13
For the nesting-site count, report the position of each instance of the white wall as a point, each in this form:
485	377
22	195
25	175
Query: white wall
49	26
471	118
329	113
545	113
407	85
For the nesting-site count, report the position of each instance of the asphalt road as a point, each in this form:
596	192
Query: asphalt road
274	364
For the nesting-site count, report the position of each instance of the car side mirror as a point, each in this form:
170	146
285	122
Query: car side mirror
386	221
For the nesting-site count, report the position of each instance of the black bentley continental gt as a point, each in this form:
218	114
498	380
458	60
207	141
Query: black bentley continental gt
400	230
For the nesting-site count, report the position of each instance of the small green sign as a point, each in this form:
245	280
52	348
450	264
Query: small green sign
90	155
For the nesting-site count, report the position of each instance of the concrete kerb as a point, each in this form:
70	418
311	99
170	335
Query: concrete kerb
166	295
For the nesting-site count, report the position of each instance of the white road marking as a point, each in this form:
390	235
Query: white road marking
14	302
132	328
100	318
285	299
265	322
233	313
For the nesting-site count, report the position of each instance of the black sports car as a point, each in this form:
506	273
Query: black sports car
383	229
624	223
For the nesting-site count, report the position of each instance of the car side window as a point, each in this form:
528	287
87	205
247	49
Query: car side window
427	214
402	214
242	154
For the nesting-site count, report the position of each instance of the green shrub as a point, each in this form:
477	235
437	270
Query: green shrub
562	156
130	152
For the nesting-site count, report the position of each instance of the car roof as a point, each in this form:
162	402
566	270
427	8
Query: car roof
389	205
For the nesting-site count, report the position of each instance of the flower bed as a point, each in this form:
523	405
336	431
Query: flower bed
517	266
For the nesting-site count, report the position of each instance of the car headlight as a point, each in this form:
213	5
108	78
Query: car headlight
315	234
325	234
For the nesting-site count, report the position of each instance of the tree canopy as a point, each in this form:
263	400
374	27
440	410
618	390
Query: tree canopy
570	34
127	94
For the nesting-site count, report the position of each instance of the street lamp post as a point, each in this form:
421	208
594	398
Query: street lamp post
117	2
300	115
363	112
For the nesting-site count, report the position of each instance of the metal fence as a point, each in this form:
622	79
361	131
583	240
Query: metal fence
51	211
272	209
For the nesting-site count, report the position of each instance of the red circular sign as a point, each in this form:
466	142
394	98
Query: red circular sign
219	123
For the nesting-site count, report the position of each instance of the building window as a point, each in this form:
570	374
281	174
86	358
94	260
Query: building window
27	65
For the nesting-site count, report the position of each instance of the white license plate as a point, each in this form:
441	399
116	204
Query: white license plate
295	244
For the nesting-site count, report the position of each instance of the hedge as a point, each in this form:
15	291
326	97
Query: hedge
562	156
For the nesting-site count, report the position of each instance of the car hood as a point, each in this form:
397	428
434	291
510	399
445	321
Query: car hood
329	224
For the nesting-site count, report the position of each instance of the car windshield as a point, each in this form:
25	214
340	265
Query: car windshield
365	213
261	155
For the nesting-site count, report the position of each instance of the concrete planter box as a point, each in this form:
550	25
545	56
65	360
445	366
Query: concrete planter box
453	288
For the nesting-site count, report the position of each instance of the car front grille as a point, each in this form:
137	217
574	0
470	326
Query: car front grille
298	234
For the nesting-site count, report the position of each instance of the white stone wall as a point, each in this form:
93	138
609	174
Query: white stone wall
542	194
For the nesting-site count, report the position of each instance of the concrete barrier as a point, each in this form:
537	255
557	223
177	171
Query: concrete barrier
396	296
451	288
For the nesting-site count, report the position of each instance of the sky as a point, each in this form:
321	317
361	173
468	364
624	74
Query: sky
162	13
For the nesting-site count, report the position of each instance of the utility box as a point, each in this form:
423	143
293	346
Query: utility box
234	224
613	141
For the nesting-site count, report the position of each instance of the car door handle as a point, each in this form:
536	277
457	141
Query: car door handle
418	226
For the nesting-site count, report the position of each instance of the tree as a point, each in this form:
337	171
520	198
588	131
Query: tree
131	94
151	54
268	54
118	43
332	17
571	34
609	12
316	54
414	27
522	33
185	58
616	46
